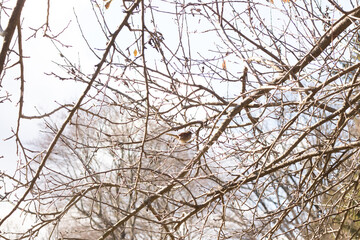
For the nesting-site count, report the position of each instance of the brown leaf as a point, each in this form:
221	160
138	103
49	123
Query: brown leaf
224	65
107	5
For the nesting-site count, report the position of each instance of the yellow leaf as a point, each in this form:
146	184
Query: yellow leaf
107	5
135	52
224	65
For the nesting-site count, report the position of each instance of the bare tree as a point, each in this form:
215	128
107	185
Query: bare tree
268	90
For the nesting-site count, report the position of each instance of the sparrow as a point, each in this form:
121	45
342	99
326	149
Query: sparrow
183	137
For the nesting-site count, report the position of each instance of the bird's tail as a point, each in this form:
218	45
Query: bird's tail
173	135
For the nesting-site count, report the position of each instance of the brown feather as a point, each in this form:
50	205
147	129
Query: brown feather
183	137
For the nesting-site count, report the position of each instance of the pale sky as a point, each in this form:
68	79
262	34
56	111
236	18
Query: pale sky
42	90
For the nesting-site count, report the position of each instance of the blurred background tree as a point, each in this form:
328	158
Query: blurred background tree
269	91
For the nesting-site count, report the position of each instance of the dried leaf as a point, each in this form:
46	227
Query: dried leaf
125	83
135	52
107	5
224	65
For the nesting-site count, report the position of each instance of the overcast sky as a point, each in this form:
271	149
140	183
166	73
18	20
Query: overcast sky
42	91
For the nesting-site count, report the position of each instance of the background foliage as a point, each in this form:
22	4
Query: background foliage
268	89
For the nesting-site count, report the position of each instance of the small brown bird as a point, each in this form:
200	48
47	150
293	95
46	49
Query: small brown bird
183	137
